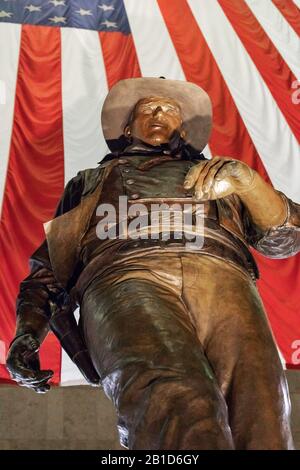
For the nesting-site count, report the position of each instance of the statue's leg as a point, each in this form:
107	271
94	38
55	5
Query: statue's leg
232	326
145	348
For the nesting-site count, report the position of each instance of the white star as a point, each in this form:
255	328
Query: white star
109	24
58	19
5	14
106	7
84	12
32	8
58	3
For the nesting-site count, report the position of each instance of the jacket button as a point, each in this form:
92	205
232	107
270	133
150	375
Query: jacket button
126	170
130	181
135	196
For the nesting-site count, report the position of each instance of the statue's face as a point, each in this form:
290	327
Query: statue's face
154	120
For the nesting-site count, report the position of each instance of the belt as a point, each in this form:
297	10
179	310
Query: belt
217	242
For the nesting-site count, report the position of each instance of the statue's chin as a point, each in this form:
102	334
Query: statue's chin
153	141
156	141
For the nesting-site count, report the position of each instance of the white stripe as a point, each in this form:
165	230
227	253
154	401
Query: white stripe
281	356
10	35
272	137
70	374
279	31
155	50
2	92
84	87
297	3
207	152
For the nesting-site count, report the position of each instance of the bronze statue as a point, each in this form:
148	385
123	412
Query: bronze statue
177	336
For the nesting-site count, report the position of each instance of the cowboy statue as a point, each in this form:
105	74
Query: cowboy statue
171	326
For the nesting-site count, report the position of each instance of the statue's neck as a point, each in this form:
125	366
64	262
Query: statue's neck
139	146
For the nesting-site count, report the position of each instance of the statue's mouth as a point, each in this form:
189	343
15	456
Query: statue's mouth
158	124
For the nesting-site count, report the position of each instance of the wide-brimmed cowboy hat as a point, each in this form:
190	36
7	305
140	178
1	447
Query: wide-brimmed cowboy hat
194	102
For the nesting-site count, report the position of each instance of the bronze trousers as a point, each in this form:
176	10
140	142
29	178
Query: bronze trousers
185	352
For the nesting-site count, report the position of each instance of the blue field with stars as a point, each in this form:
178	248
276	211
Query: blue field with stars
109	15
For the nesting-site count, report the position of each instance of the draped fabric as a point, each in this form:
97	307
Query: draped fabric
58	60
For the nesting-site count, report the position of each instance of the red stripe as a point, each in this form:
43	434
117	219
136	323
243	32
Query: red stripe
273	69
230	137
291	12
120	58
35	176
279	287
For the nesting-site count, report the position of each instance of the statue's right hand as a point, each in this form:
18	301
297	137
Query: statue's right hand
23	364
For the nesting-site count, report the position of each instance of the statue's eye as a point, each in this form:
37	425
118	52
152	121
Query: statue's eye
146	110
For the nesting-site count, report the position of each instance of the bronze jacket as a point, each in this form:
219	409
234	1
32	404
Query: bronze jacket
48	281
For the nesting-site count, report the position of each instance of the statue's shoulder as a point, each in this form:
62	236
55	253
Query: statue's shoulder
91	177
88	173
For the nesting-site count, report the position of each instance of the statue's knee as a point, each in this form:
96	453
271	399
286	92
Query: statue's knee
194	395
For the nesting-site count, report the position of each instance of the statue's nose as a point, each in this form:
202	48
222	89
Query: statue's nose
157	110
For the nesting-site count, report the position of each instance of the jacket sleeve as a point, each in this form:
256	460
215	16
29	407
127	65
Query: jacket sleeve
277	242
40	286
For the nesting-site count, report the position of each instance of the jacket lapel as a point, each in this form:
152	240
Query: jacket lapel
64	233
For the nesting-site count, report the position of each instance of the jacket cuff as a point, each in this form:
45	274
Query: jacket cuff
293	212
282	241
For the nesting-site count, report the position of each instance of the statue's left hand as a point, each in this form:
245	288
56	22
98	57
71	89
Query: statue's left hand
219	177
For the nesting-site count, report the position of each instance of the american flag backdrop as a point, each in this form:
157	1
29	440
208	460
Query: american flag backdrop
59	58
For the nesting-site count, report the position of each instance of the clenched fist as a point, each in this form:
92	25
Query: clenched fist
24	366
219	177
